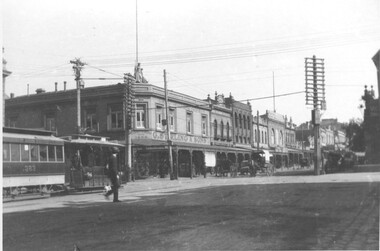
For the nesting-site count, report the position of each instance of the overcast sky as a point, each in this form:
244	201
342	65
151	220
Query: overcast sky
238	47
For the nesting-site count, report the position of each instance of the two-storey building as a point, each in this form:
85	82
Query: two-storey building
201	131
276	137
260	133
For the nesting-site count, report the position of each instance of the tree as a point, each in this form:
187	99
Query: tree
355	135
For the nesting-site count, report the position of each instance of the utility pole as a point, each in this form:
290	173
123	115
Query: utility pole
77	67
315	96
274	95
128	106
167	122
258	131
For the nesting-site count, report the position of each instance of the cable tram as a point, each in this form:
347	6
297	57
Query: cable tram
33	162
86	157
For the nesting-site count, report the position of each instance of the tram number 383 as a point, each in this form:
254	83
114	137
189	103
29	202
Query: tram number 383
29	169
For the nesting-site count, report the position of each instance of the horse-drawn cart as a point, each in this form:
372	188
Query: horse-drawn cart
262	163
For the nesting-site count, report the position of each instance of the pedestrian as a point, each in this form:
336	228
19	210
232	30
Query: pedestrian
113	170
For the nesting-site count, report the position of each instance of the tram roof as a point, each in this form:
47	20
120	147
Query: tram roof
93	142
34	131
31	139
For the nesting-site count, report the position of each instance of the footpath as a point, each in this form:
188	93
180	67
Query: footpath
285	175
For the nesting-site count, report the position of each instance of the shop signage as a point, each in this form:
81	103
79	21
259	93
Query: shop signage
173	137
215	143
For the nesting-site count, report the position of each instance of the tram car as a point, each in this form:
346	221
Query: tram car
86	157
33	162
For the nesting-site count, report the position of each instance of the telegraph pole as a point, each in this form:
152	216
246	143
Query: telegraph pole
167	122
128	106
274	96
258	130
77	67
315	96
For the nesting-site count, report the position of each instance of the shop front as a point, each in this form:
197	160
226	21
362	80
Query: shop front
192	156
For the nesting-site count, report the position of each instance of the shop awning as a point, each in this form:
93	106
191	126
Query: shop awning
155	144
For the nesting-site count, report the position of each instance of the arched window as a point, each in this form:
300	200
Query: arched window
266	139
240	121
255	135
236	120
248	124
221	129
272	137
215	129
280	140
258	136
228	130
262	136
244	122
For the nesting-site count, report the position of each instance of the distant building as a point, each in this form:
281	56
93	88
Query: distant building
332	135
260	133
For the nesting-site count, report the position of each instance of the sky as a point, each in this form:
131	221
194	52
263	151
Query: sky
251	49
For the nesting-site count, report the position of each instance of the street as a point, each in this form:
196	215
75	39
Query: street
336	211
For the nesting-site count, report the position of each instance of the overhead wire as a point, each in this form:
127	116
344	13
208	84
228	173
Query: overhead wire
243	50
362	27
244	100
217	54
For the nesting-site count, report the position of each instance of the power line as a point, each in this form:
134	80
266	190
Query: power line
244	100
295	42
180	59
274	96
121	76
308	35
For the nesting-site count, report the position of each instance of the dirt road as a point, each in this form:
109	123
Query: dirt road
292	213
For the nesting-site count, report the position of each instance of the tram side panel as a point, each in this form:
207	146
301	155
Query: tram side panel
32	174
32	163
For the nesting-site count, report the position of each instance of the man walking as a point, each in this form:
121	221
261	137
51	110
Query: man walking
113	175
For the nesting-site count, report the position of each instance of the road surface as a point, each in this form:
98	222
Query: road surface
337	211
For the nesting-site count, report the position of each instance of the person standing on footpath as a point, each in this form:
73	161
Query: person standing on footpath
113	170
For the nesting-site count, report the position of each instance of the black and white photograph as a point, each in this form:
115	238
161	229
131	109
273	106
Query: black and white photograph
190	125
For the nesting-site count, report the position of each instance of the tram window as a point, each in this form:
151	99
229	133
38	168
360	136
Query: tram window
51	152
6	152
24	152
59	152
15	152
34	152
43	152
